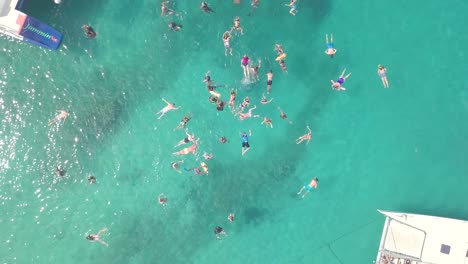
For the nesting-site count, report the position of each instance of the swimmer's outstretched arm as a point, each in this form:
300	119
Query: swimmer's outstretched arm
308	128
102	242
102	231
165	101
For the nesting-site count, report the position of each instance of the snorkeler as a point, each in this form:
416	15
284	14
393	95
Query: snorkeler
237	26
243	116
175	165
192	149
330	51
167	108
382	72
190	137
97	237
165	10
89	31
293	6
308	187
61	116
245	142
264	100
184	121
283	115
204	6
174	27
245	65
227	46
162	199
269	80
267	121
219	231
337	85
307	137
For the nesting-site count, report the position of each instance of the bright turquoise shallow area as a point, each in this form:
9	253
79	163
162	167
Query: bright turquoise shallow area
402	148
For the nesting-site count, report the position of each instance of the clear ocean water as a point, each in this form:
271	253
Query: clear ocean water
402	148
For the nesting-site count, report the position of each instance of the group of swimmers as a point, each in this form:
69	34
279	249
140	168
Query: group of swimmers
251	72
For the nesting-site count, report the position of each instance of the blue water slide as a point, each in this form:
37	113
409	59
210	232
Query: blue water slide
40	34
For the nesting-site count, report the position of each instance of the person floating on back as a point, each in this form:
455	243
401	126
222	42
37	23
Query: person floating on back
308	187
61	116
307	137
330	51
292	4
97	237
382	72
337	85
245	142
89	31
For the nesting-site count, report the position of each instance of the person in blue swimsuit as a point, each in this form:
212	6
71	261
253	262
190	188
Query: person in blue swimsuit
293	6
308	187
337	85
245	142
330	51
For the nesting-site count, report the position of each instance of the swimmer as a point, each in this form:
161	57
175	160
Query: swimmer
243	116
162	200
283	66
174	27
61	116
308	187
196	170
293	6
192	149
245	142
255	70
283	115
190	137
232	99
253	6
167	108
244	103
267	121
337	85
59	171
264	100
207	156
207	80
219	230
97	237
220	105
237	26
382	72
307	137
175	165
184	121
245	65
227	46
269	80
204	6
279	49
91	179
231	217
165	10
89	31
223	140
330	51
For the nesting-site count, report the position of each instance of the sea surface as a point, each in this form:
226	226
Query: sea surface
402	148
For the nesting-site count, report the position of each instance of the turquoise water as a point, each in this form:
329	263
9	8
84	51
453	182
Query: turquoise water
401	148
